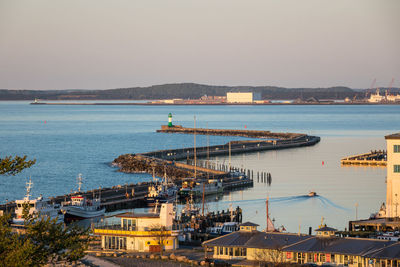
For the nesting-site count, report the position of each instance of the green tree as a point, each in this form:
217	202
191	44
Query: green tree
43	241
13	166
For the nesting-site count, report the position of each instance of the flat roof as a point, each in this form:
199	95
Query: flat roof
138	215
326	229
249	224
393	136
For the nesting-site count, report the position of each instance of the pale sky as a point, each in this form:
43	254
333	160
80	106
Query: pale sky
99	44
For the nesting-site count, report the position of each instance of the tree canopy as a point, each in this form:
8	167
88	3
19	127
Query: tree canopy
43	241
13	166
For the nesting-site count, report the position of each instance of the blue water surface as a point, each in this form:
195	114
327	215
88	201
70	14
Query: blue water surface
68	140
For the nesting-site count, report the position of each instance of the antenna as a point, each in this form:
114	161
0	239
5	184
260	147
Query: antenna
29	186
79	182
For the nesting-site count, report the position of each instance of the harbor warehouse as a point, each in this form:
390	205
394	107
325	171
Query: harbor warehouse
242	97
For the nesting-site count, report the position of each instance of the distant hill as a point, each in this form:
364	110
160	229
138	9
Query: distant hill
182	90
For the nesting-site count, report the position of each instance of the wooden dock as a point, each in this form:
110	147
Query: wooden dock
373	158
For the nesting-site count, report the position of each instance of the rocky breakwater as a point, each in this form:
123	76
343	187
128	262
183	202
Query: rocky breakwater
131	163
229	132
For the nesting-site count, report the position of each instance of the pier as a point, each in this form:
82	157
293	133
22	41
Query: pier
112	198
164	163
373	158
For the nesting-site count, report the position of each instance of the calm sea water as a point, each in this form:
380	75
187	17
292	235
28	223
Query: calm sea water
68	140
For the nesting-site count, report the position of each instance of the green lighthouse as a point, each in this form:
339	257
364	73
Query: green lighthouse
170	120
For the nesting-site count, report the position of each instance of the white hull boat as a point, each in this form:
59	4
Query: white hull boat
80	207
39	207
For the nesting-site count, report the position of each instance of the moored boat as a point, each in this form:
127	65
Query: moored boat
40	207
79	207
161	193
195	189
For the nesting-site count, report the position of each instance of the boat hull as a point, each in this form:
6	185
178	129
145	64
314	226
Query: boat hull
76	213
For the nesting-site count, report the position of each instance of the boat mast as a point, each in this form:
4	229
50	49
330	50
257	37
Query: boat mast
229	156
195	156
267	214
29	186
79	182
208	173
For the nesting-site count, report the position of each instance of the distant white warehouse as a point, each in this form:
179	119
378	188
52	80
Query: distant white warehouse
242	97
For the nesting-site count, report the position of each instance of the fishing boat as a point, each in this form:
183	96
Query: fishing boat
312	194
40	207
79	207
161	193
195	189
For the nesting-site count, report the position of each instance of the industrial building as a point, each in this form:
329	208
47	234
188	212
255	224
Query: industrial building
242	97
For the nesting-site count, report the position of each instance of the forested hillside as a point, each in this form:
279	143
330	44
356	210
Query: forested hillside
182	90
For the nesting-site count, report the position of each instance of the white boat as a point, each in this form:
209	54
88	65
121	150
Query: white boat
80	207
212	186
161	193
37	207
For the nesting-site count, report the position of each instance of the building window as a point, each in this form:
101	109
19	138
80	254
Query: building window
115	242
396	149
397	168
237	251
226	251
221	250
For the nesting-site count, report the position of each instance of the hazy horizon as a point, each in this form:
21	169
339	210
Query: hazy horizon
99	44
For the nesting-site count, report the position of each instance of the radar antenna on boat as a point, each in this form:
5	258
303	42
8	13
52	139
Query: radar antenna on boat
29	186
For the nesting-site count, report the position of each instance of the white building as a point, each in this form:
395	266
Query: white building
141	232
242	97
393	175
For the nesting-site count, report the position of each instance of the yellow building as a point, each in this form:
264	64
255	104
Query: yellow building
393	175
141	232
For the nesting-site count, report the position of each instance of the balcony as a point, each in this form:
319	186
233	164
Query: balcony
117	229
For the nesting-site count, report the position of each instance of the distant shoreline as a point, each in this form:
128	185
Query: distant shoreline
210	104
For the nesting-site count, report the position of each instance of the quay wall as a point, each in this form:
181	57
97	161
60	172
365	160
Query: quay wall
236	148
